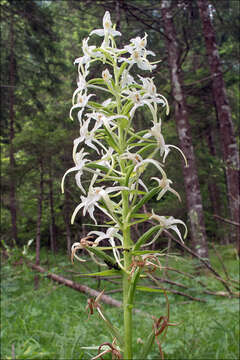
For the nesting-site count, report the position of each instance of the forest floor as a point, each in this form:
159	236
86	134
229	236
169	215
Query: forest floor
52	323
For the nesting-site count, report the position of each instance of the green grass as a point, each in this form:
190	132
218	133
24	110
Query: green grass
52	323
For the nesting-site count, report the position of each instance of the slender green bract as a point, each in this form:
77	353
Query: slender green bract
117	158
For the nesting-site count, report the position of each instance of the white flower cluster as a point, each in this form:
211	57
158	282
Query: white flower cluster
121	153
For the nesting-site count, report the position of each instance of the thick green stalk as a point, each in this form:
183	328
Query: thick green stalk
127	242
127	245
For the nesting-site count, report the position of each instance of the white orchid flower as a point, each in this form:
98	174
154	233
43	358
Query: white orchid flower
107	29
94	195
127	79
136	181
165	183
135	158
137	50
102	119
169	223
79	166
82	100
89	52
139	58
106	75
110	234
107	102
87	137
140	182
81	86
105	160
151	91
140	162
140	100
139	44
79	246
155	131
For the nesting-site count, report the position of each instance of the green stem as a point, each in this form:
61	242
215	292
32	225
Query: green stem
127	243
127	305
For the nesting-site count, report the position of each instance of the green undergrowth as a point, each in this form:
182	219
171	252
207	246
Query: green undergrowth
52	322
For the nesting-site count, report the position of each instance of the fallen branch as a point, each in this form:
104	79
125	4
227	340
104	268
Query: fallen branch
205	262
226	220
221	261
82	288
161	280
181	293
186	275
155	280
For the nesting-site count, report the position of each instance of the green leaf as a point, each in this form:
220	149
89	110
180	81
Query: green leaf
95	105
123	66
105	273
148	345
97	166
145	199
147	147
127	107
142	240
108	56
147	289
101	254
129	171
133	286
144	252
97	81
112	142
113	330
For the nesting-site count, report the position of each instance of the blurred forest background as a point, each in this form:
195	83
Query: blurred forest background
198	44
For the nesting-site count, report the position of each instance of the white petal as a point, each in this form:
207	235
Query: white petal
99	32
75	212
115	33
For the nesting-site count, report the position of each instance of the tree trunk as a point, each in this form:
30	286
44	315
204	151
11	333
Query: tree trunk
228	142
66	217
194	199
53	240
13	202
39	220
213	188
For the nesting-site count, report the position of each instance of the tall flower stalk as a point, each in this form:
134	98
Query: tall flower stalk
117	156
